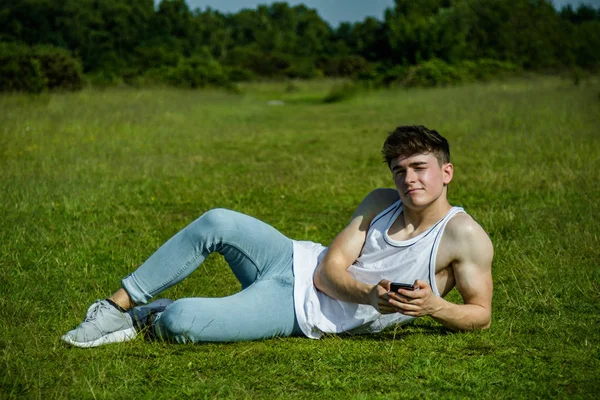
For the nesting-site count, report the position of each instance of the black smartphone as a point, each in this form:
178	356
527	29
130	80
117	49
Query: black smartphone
394	286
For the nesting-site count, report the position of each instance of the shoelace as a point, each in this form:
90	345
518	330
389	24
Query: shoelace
94	313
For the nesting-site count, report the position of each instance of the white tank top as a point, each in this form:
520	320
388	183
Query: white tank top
381	258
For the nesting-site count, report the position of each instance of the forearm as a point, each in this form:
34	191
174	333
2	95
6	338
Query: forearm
332	276
339	284
462	317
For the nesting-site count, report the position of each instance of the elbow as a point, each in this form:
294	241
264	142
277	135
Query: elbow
322	281
482	319
480	327
475	325
471	328
318	279
485	324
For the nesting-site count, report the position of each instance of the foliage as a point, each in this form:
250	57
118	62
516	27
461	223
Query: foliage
27	69
195	72
258	62
437	73
19	71
341	92
434	73
586	44
239	74
60	69
420	31
487	69
344	66
302	68
121	41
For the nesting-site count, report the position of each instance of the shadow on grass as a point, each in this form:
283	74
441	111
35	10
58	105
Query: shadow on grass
304	100
396	333
389	334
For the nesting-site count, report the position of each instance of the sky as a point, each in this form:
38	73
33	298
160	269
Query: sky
336	11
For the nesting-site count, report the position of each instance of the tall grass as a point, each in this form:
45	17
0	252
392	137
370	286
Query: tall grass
93	182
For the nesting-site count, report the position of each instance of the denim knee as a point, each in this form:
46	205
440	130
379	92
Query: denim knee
218	219
209	228
170	324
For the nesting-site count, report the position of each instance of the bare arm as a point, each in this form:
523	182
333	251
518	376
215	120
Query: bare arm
472	265
331	276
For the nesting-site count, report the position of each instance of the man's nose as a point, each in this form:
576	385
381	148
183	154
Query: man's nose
410	176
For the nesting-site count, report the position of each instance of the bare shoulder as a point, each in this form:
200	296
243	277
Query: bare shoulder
377	201
387	195
469	239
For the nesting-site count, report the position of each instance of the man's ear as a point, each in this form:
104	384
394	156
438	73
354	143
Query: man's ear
448	173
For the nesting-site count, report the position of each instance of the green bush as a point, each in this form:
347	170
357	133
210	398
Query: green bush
104	79
239	74
249	62
150	56
291	87
486	69
587	47
302	68
61	70
34	69
376	75
345	66
395	75
19	71
262	64
435	73
341	92
195	72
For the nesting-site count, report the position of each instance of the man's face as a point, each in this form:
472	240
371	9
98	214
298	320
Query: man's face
420	179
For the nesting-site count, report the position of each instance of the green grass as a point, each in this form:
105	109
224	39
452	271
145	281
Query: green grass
91	183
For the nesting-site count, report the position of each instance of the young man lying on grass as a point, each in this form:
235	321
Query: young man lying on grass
292	288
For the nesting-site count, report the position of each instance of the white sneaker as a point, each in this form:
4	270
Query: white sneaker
104	323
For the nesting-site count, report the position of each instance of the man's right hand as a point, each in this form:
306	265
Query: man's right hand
380	299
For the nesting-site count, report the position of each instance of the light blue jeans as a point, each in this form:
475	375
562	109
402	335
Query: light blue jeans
261	259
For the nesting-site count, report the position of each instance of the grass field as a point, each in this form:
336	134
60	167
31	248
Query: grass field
93	182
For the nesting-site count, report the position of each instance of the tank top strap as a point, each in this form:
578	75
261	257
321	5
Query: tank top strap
388	214
441	224
453	211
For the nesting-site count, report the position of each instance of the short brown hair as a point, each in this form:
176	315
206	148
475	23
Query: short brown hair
407	141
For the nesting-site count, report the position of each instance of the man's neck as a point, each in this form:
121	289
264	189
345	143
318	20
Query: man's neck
423	219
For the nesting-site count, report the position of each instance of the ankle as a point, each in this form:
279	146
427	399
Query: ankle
122	300
115	305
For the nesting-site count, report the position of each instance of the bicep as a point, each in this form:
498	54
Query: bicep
473	270
342	253
474	284
348	244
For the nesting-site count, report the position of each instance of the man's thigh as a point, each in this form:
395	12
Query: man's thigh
252	248
263	310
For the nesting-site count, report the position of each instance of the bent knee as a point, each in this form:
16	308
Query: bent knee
175	320
218	218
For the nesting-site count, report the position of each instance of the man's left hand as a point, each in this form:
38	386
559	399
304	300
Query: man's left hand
416	303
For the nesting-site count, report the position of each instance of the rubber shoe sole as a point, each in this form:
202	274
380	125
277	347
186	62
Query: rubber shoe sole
113	337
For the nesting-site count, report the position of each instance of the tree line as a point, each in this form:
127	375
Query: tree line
137	41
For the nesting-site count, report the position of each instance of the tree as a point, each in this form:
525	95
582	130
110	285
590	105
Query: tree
419	31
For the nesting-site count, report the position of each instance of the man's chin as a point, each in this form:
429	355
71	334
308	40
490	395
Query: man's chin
415	204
